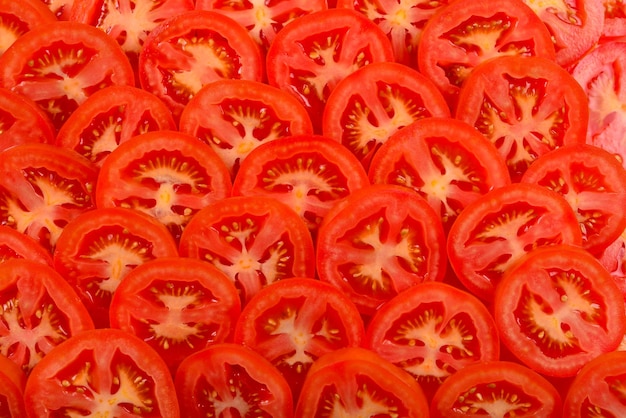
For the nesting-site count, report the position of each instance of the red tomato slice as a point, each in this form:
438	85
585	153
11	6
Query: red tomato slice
177	305
58	65
111	116
313	53
42	188
225	378
374	102
102	372
308	173
526	106
255	240
464	34
614	20
557	309
432	330
99	248
496	388
594	183
12	382
445	160
235	116
60	8
613	258
18	17
354	382
39	311
167	174
493	232
14	244
295	321
22	121
379	241
192	49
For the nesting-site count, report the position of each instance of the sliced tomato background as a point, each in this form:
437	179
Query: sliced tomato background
17	18
22	121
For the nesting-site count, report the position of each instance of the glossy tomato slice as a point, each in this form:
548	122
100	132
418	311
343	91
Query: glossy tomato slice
42	188
99	248
310	56
445	160
177	305
379	241
464	34
14	244
355	382
60	64
102	372
166	174
308	173
225	378
493	232
111	116
614	20
12	382
234	116
374	102
39	311
22	121
60	8
255	240
496	388
189	50
613	258
594	183
295	321
17	18
526	106
557	309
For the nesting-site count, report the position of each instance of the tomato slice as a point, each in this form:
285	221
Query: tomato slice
309	173
42	188
166	174
493	232
614	20
17	18
356	382
295	321
189	50
100	247
60	8
22	121
379	241
102	372
58	65
177	305
464	34
557	309
14	244
496	388
613	258
375	101
12	382
111	116
234	116
38	311
255	240
225	378
526	106
445	160
313	53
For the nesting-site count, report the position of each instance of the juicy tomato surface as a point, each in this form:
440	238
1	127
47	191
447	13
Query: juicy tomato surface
22	121
614	20
17	18
14	244
12	382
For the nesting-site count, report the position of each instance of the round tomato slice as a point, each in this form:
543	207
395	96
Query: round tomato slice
111	116
558	308
445	160
313	53
189	50
374	102
496	388
235	116
493	232
594	183
169	175
17	18
42	188
355	382
526	106
255	240
295	321
103	372
225	378
177	305
14	244
379	241
308	173
58	65
464	34
22	121
12	382
38	311
99	248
